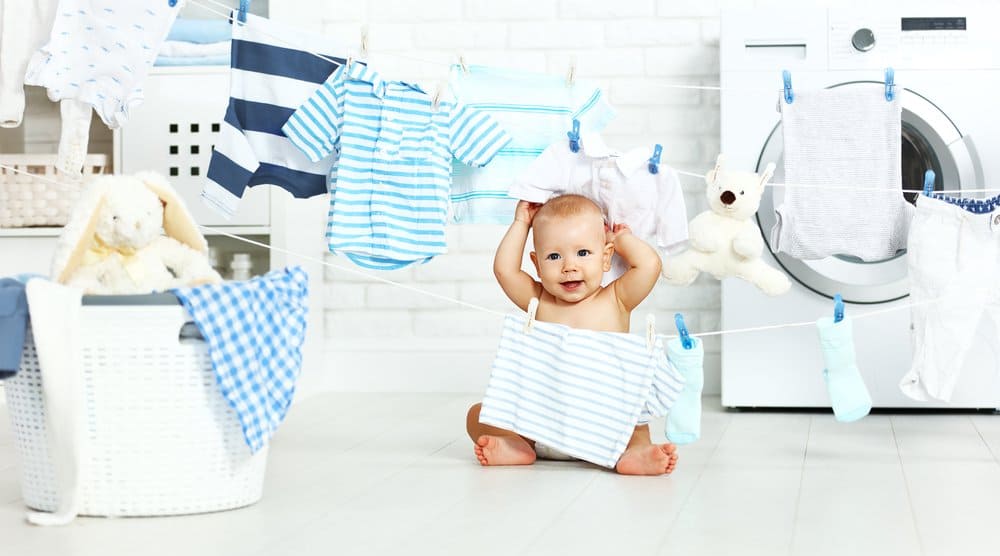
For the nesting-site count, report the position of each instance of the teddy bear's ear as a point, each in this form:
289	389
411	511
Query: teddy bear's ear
766	176
78	234
177	221
713	175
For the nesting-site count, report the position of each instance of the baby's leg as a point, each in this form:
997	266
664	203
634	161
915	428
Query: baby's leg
496	446
642	457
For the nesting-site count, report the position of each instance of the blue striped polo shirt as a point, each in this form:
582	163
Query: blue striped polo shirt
390	204
536	110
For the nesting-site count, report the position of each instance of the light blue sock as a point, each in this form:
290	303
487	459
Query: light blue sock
848	394
684	419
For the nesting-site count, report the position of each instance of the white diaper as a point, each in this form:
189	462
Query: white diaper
953	253
544	452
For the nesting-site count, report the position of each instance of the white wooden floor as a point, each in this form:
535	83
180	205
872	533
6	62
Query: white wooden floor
394	474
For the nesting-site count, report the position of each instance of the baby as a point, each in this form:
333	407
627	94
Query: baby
573	250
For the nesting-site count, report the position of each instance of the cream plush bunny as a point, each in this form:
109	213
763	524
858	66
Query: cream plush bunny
131	235
725	241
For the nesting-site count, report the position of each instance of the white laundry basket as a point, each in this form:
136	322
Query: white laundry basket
161	439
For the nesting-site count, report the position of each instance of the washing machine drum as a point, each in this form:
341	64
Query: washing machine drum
930	141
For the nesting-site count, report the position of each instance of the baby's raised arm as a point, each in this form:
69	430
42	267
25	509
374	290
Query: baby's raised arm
519	286
644	267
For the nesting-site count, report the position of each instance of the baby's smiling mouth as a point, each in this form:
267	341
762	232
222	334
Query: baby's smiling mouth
571	284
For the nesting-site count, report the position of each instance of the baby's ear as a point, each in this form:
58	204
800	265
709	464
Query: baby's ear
609	250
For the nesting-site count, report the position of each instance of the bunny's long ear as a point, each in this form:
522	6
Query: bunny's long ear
177	220
713	175
78	234
766	176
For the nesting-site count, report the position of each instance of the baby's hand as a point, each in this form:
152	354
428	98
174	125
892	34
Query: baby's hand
525	211
612	233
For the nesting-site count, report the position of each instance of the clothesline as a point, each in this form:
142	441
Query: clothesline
468	305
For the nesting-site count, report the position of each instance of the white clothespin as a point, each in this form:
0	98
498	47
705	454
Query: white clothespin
651	331
571	74
364	42
461	62
529	325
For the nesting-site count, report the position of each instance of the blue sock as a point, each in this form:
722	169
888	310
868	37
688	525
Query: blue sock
684	419
848	394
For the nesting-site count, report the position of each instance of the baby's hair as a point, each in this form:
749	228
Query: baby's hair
568	205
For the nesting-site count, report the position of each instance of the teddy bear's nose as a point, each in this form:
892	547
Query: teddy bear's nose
728	198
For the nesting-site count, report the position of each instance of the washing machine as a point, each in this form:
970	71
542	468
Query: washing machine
948	62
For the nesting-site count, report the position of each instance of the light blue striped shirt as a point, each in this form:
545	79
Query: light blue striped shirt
536	110
390	204
581	392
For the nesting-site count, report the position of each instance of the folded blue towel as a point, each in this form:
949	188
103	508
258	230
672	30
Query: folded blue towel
200	30
217	60
13	324
848	394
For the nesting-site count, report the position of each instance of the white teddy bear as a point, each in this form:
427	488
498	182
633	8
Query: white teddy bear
114	242
724	241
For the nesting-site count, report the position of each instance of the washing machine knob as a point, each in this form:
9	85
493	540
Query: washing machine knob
863	39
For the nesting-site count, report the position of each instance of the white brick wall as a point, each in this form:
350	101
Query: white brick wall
631	48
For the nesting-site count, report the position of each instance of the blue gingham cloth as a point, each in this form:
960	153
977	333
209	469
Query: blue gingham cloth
580	392
254	331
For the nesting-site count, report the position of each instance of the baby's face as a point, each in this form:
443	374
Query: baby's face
571	255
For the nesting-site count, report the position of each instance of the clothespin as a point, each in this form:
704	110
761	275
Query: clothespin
242	15
686	340
574	136
786	76
171	3
571	73
364	42
654	161
529	325
650	331
838	308
890	85
928	183
461	62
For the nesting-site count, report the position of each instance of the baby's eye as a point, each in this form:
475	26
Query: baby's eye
552	257
583	252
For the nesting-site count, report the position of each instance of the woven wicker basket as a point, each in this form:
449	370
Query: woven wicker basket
29	201
161	440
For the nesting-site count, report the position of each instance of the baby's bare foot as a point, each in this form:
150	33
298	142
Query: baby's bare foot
504	450
654	459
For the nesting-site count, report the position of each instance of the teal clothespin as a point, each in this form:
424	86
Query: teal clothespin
654	161
838	308
686	340
574	136
929	183
890	85
242	15
786	76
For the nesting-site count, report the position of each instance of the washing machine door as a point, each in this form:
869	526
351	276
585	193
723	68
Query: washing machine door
930	141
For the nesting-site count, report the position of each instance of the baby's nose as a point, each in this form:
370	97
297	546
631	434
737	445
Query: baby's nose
728	198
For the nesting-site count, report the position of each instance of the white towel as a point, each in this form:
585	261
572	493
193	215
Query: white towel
55	326
182	49
24	27
848	137
579	392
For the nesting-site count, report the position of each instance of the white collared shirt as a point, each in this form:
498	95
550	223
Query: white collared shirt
652	205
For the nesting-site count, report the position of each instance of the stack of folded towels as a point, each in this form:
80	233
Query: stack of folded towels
196	42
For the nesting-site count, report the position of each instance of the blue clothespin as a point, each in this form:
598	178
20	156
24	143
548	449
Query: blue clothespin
654	161
890	85
686	340
171	3
928	183
786	76
838	308
574	136
242	15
